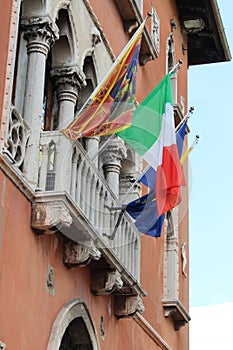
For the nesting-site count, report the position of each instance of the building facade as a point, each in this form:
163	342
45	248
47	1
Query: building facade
72	276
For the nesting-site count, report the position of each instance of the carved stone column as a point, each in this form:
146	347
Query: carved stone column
68	82
40	34
112	156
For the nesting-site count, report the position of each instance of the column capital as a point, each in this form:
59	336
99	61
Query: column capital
40	33
114	152
68	82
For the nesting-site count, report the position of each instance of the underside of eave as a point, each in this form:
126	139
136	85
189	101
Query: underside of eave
207	44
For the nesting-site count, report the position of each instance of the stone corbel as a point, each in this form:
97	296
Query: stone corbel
50	217
127	306
174	308
104	282
80	254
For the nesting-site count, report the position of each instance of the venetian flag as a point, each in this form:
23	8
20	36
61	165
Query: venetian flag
152	135
110	106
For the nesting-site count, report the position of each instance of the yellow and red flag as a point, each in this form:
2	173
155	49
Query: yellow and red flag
111	105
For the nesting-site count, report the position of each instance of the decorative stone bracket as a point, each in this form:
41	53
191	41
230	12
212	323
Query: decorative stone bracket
104	282
127	305
174	308
80	254
49	218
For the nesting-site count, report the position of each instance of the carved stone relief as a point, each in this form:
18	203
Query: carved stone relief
127	306
80	254
17	137
105	282
50	217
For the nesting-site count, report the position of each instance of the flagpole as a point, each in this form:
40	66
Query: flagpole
176	66
183	120
109	71
186	153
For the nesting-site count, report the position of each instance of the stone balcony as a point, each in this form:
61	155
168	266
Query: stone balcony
74	198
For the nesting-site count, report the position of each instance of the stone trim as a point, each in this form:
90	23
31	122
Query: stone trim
70	311
175	309
151	332
15	175
98	26
9	70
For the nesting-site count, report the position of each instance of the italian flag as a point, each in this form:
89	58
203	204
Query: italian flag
152	135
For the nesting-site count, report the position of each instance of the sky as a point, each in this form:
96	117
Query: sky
211	200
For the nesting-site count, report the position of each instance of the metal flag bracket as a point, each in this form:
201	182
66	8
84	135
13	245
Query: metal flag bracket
122	211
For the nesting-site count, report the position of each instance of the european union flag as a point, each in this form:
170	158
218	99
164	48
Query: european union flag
144	211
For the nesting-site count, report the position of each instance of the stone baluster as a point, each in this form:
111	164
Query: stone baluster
74	174
40	35
92	201
112	156
92	146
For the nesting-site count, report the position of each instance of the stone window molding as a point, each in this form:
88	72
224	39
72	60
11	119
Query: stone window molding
73	309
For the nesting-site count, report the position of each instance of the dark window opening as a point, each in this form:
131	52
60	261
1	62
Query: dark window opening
76	336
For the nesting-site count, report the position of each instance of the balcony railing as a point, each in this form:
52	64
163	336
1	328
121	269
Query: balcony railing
66	168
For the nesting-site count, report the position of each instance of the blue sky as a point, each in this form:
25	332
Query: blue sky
211	202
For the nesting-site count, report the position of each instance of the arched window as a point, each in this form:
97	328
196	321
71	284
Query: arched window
73	329
91	81
50	178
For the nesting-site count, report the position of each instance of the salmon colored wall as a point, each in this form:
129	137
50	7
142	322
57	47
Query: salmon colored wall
31	310
5	14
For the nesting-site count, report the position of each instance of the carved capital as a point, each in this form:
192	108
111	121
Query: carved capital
114	152
127	306
104	282
50	217
80	254
68	82
40	33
